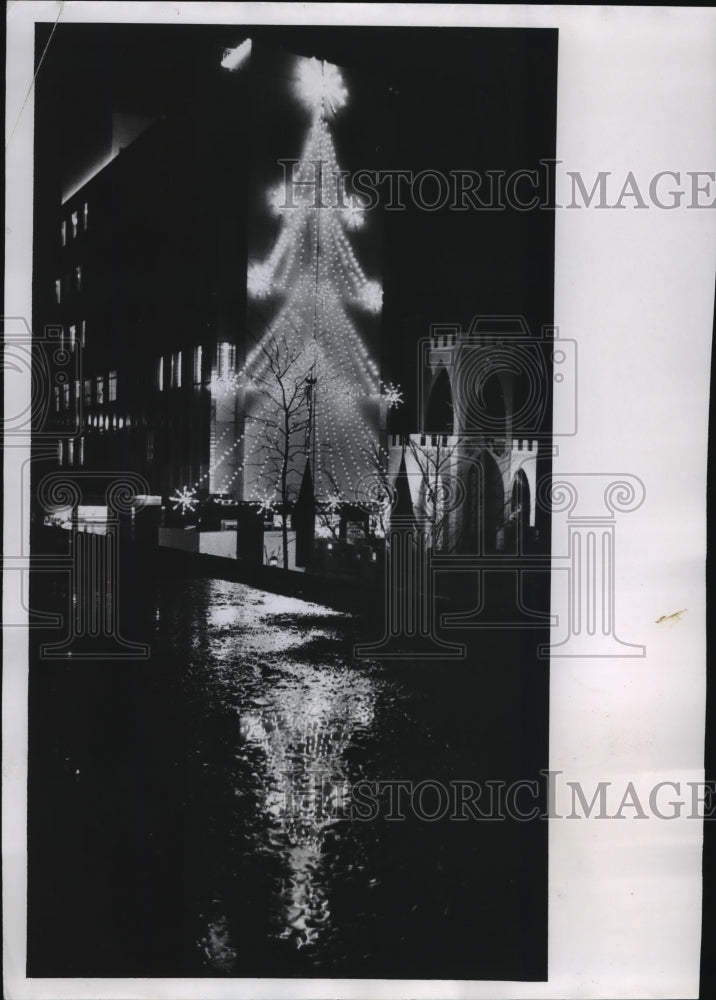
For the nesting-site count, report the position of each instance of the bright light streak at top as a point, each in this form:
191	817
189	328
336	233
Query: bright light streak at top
319	86
233	58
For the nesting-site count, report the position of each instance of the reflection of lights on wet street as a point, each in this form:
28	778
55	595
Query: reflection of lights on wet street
303	730
275	664
217	945
252	734
274	729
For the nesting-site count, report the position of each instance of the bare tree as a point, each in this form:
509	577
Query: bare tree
435	462
283	381
380	503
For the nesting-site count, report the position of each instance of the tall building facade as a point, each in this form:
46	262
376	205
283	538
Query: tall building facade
140	279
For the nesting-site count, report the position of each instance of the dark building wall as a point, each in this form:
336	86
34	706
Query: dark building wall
150	259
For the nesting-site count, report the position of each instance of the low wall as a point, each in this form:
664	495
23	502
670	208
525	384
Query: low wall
218	543
180	538
210	543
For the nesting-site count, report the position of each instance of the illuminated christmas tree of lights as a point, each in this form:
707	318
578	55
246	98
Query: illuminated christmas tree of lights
315	289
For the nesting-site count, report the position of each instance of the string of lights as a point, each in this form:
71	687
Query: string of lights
316	279
311	387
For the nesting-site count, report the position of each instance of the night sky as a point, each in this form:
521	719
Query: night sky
420	98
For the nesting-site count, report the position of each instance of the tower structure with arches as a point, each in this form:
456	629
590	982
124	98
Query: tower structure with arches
484	410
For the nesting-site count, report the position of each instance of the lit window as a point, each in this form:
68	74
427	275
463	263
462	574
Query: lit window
175	373
78	278
88	391
77	391
73	336
62	337
84	333
226	359
100	389
59	452
197	365
70	451
160	374
66	396
85	212
56	393
75	224
63	230
58	291
81	457
112	387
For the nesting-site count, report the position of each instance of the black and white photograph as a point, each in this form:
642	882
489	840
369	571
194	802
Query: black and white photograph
299	358
333	544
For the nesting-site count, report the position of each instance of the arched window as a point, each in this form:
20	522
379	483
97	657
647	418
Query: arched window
440	418
484	507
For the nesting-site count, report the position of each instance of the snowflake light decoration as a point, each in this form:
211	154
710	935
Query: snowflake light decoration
320	86
265	504
185	498
392	394
333	503
371	296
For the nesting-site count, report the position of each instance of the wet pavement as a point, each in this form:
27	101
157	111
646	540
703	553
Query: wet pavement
200	813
